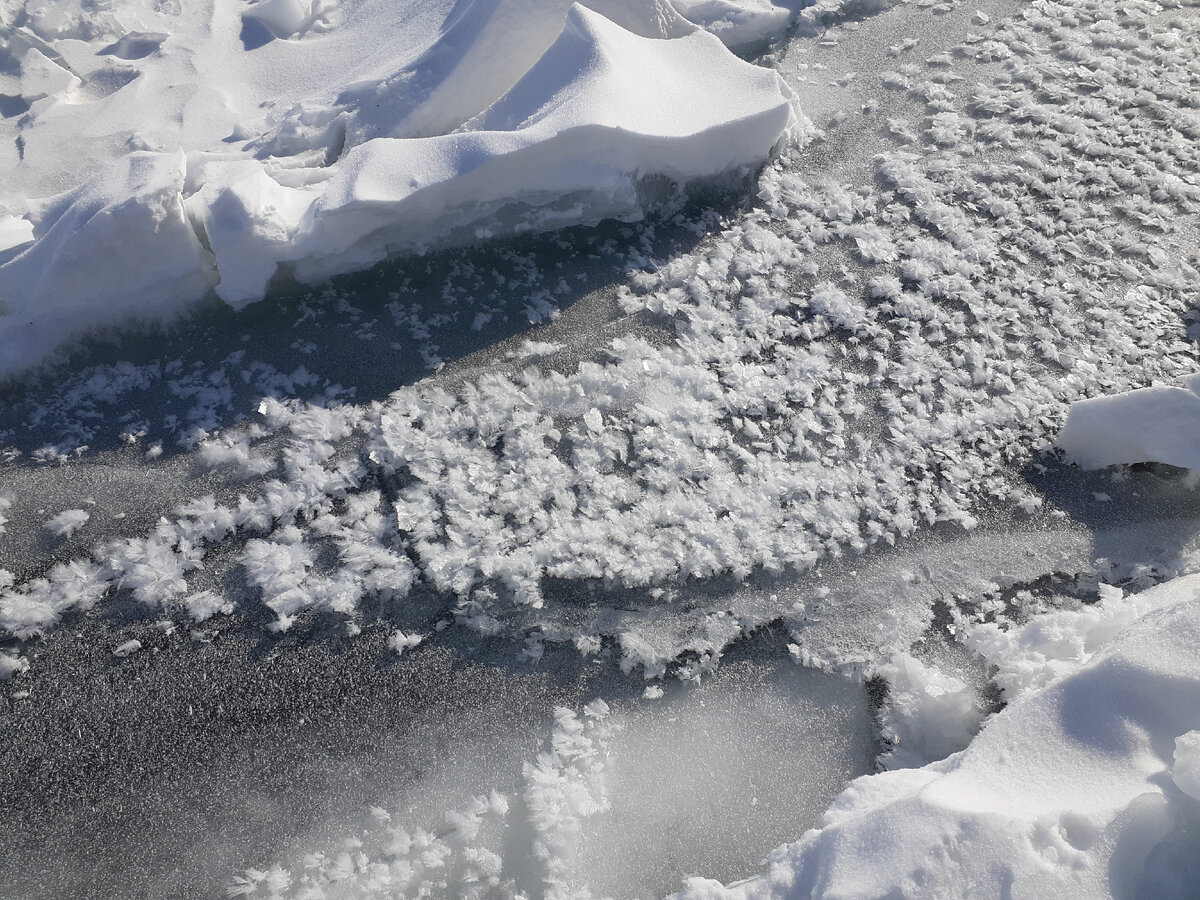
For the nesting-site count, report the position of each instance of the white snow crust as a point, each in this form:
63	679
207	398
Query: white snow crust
1154	424
1082	787
166	151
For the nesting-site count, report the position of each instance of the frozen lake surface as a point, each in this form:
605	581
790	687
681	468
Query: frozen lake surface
408	489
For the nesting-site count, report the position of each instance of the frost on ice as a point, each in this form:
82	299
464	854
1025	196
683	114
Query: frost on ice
849	365
67	522
1154	424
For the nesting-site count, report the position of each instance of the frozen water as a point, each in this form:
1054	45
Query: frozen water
835	413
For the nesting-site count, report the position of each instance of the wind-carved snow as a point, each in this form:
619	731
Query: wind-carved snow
462	121
1083	786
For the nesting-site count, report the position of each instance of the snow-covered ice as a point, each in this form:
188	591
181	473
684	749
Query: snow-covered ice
873	420
1071	790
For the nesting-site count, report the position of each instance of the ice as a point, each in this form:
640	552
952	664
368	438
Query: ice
1154	424
285	18
128	648
825	416
929	714
399	641
622	800
11	665
738	23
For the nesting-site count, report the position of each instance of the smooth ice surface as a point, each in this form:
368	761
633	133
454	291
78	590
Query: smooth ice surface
167	151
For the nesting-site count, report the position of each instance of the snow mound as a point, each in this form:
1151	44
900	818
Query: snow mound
1080	788
568	143
67	522
1186	771
1154	424
204	148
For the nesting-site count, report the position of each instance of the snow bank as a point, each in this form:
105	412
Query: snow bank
1079	788
1154	424
166	152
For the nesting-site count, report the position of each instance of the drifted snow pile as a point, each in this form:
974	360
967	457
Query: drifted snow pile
165	150
1084	786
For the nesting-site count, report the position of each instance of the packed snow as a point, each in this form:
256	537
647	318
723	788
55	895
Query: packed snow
211	159
880	421
1154	424
1079	788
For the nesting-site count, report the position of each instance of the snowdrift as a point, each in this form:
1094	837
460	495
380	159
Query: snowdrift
1085	786
164	152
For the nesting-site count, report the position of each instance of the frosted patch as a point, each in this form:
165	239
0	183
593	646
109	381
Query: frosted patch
623	799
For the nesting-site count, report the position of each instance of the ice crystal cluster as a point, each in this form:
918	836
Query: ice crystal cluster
864	355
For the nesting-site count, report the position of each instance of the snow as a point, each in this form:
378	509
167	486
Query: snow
461	121
823	417
1080	788
1154	424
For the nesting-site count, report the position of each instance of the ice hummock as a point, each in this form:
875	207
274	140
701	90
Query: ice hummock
1155	424
164	153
